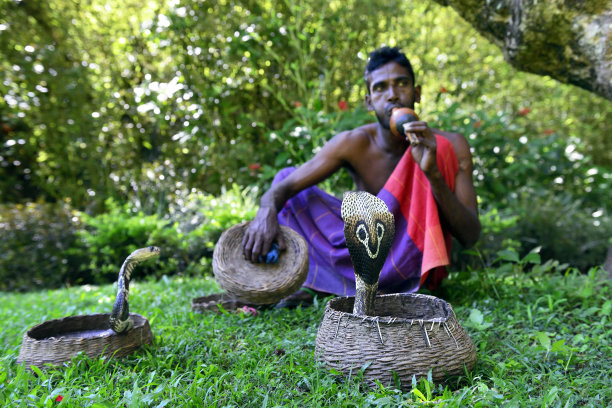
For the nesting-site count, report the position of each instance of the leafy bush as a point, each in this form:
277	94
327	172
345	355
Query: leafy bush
35	239
50	245
107	239
186	234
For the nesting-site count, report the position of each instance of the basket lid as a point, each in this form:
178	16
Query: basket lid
259	283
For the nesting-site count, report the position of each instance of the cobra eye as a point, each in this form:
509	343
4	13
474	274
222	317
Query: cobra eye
380	229
361	233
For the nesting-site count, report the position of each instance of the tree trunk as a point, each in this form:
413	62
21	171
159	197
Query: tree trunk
569	40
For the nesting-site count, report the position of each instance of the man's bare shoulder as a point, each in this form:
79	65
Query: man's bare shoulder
358	135
354	139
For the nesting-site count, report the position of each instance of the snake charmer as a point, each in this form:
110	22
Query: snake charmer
426	181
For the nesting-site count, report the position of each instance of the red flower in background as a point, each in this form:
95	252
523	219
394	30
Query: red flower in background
297	104
59	398
548	131
343	105
477	124
524	111
254	167
443	89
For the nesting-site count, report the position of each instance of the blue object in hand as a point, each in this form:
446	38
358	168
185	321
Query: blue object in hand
271	256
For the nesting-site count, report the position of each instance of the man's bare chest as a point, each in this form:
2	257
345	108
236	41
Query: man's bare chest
372	172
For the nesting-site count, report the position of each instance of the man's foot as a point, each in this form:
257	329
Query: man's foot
303	297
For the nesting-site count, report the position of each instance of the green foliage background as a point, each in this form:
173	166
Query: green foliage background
145	103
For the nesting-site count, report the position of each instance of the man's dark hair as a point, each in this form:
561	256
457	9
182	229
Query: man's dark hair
384	55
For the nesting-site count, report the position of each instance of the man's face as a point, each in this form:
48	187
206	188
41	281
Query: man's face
391	87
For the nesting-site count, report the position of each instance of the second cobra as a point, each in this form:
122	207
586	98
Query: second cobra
120	320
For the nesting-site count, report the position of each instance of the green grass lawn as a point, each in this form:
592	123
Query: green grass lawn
543	339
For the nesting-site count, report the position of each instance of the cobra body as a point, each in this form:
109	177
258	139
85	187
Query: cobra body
120	320
369	229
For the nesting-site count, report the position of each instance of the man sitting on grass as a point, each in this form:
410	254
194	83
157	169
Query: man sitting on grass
427	185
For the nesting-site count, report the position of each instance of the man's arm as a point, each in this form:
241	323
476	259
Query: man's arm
458	209
264	228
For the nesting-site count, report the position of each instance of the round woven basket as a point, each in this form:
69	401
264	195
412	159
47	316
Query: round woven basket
211	303
259	283
410	335
57	341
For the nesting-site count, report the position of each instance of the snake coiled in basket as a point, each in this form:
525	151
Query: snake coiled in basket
369	229
120	321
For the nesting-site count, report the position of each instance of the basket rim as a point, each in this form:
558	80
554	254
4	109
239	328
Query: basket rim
139	322
446	307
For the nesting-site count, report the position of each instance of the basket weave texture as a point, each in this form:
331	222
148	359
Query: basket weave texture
212	302
57	341
410	335
259	283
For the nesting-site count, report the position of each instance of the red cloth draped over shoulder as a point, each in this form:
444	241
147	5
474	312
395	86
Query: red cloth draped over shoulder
414	202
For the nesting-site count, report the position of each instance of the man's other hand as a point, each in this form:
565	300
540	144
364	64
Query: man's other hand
261	232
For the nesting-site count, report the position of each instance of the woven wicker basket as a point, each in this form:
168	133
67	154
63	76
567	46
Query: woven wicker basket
259	283
410	335
212	302
57	341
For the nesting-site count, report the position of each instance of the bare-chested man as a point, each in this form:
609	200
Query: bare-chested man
370	153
